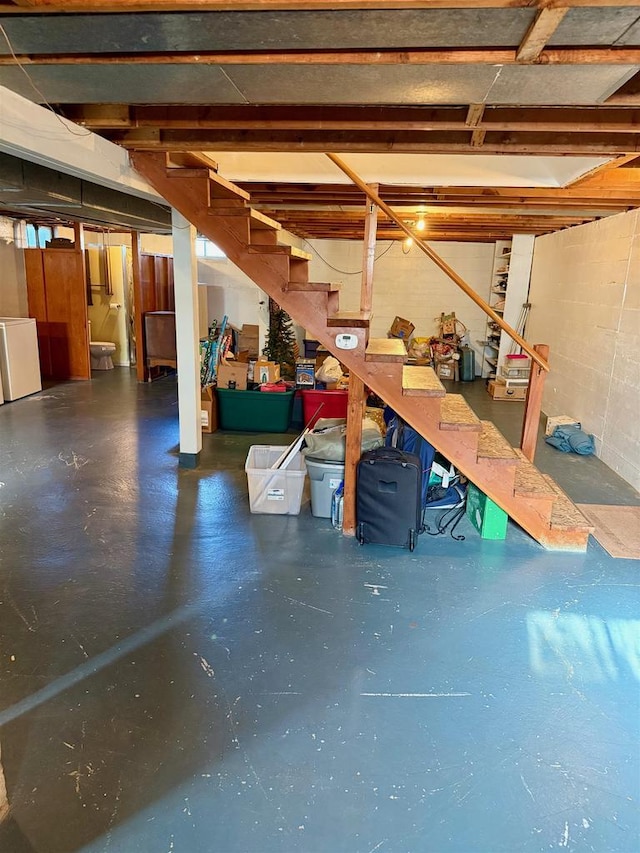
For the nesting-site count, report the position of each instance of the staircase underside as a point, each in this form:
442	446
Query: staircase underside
221	211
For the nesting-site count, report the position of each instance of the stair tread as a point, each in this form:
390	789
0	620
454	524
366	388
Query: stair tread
564	513
191	160
279	249
320	286
456	413
421	382
261	221
493	445
222	188
219	188
350	319
386	349
529	480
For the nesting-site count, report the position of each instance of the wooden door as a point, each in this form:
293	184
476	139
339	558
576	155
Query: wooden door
66	293
57	295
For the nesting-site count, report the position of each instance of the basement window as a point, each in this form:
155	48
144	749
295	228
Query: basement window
206	249
37	236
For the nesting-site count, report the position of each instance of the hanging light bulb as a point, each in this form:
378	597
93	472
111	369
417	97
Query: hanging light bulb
407	244
420	224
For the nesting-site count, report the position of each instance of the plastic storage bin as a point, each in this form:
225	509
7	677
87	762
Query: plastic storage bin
487	517
324	479
254	411
334	405
274	492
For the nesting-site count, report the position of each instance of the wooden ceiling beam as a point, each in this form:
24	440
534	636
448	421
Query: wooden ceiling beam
436	142
543	27
107	6
317	118
321	56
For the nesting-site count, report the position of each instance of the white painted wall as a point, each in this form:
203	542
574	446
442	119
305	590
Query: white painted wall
13	282
585	295
229	291
409	285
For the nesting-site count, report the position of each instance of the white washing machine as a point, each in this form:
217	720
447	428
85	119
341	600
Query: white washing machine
19	360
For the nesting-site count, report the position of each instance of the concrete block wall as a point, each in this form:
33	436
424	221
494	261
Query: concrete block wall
409	285
585	295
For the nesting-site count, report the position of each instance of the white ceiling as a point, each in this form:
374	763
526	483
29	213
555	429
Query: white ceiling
409	169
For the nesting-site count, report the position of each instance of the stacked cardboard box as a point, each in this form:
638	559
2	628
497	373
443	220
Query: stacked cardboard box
231	372
248	340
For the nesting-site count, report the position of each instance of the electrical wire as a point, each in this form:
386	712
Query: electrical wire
345	272
83	132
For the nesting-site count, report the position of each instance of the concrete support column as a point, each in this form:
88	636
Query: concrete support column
187	339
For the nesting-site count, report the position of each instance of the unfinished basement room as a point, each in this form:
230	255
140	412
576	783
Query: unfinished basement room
319	426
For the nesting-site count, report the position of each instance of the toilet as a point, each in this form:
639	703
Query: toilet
101	352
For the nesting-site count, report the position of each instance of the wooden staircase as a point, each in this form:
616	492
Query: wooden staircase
221	211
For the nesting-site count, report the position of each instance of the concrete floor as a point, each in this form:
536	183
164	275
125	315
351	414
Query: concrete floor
179	676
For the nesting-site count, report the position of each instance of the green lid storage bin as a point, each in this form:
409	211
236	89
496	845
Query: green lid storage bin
255	411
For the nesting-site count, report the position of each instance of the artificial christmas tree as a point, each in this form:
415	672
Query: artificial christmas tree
281	343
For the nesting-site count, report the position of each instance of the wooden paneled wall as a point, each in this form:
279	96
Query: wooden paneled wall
57	296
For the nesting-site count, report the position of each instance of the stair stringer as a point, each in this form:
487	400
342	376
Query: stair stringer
309	308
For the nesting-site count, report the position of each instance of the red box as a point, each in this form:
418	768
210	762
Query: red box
334	405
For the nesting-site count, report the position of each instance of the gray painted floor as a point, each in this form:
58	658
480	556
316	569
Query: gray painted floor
180	676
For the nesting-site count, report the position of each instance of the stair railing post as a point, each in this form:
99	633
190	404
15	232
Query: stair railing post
533	405
355	410
369	253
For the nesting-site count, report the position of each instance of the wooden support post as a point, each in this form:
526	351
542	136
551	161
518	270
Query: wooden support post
78	236
185	282
533	405
138	324
355	411
369	253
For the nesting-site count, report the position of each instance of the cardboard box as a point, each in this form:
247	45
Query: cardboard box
208	410
232	372
486	516
305	373
500	391
401	328
448	370
560	420
266	371
248	339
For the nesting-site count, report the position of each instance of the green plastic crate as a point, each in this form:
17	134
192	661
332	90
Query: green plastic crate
254	411
486	516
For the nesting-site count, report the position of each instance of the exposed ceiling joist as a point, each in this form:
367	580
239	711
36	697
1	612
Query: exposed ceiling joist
532	143
546	23
106	6
105	117
416	56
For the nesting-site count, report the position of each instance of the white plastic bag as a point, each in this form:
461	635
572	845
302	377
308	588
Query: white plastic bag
329	370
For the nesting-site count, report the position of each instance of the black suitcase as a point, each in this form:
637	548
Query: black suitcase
389	497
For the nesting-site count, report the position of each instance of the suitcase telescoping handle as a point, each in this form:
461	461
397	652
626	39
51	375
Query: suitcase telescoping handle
388	454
